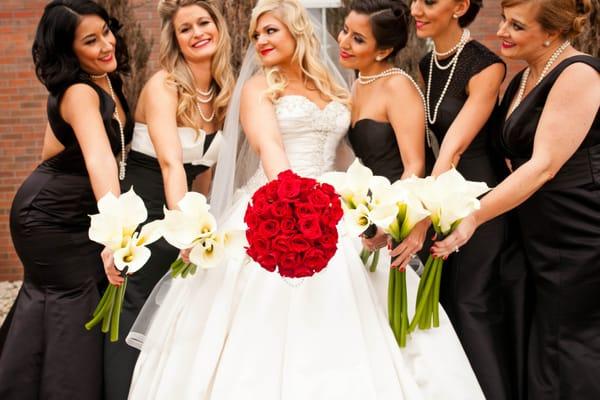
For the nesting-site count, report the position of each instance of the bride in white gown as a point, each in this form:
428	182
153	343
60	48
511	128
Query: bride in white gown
240	332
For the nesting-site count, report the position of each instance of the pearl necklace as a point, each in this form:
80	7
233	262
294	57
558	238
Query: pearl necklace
199	100
463	37
461	45
367	79
122	163
525	75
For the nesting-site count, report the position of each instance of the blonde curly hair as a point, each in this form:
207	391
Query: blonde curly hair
307	52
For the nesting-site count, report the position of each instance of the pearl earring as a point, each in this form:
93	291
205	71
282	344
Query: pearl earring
455	16
546	43
378	58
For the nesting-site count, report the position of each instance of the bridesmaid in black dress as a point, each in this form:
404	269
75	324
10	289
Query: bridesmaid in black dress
388	116
175	140
462	79
45	351
552	137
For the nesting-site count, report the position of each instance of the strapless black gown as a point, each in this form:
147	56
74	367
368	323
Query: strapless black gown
560	225
45	351
143	173
471	287
375	144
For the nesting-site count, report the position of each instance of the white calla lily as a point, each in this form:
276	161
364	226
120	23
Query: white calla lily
106	230
358	219
150	233
132	256
208	253
352	186
191	223
133	211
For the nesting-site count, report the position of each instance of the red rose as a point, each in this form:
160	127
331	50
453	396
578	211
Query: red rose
329	239
260	244
305	210
315	259
281	243
281	209
288	263
289	186
268	228
288	226
251	218
268	261
270	191
299	244
310	227
319	200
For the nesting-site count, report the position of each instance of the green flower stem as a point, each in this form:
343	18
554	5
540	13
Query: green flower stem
404	323
193	267
375	261
100	312
109	311
436	293
398	291
364	255
421	303
116	314
176	267
391	288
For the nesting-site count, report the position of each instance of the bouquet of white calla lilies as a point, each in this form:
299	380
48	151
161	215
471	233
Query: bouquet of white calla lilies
115	227
193	226
360	192
397	215
449	198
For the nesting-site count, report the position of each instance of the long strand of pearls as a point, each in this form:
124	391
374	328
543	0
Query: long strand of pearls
209	95
525	76
432	117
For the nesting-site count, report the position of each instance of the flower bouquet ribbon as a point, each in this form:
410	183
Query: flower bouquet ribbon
449	198
192	226
115	226
292	225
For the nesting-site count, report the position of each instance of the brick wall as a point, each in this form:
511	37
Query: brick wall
23	98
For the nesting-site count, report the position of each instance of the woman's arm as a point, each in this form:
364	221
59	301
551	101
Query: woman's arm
563	126
404	107
483	89
160	113
80	108
259	122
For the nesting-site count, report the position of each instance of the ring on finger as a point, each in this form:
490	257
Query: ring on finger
456	249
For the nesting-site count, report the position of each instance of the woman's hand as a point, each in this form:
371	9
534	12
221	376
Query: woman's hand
113	275
456	239
185	255
376	242
409	247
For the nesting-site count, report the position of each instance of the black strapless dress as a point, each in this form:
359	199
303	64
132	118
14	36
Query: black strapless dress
144	174
471	287
375	144
560	225
45	351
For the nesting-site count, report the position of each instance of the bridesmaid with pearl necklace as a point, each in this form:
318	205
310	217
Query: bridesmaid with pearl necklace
462	82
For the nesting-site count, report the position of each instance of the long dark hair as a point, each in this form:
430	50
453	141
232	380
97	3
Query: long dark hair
389	21
56	65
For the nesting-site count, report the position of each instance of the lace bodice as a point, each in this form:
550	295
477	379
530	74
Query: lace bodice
310	136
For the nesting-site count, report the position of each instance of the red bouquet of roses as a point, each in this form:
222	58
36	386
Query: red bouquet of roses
292	225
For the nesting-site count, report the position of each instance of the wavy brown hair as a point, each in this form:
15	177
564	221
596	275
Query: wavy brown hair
179	74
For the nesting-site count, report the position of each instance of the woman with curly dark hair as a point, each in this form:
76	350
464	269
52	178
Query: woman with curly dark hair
45	351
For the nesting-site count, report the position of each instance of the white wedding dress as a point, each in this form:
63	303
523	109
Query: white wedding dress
240	332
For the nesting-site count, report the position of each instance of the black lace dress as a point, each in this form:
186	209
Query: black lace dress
45	351
560	225
471	288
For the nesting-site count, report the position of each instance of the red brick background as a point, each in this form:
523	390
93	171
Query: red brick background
23	98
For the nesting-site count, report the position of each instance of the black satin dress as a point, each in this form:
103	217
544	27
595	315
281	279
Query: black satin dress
144	174
560	224
375	144
471	288
45	351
